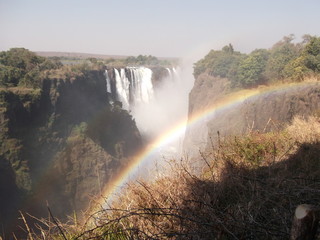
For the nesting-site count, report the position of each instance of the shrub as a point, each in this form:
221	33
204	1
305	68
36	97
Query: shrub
248	190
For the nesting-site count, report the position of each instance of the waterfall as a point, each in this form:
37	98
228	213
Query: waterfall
142	85
132	86
169	72
157	99
176	74
122	87
108	82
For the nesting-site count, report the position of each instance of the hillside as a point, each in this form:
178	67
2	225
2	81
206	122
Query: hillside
236	92
248	189
251	146
265	108
252	155
50	149
65	134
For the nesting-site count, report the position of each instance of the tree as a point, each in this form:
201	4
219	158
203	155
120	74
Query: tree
19	66
9	76
285	59
252	68
307	62
280	55
221	63
296	69
142	60
228	48
21	58
312	54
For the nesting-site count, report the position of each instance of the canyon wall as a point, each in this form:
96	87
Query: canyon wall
266	111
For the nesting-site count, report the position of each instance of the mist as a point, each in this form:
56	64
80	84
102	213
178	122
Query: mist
169	106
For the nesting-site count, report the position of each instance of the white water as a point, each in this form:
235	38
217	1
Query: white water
168	108
108	82
169	72
155	110
142	87
133	86
122	87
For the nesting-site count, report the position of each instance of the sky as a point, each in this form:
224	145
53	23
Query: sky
162	28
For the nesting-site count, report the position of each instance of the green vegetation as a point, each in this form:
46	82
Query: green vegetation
20	67
141	60
55	124
285	60
219	63
251	69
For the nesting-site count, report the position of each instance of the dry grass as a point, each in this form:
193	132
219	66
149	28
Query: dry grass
248	189
305	130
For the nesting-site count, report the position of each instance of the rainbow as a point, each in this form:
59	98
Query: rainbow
178	129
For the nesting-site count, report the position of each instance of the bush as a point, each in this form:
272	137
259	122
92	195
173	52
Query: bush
19	66
221	63
248	190
285	60
252	69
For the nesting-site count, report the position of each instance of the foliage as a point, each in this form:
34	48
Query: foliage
9	76
285	60
296	69
252	68
312	54
141	60
280	55
219	63
19	66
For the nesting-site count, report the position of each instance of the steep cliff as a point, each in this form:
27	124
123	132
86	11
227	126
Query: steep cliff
268	109
59	144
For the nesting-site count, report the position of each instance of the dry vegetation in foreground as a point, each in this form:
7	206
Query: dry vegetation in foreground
248	190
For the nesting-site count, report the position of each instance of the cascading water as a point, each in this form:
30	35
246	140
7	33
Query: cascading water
157	109
132	86
169	72
142	84
122	87
154	110
108	82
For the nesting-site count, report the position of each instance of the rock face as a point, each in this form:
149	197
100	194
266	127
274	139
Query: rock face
264	112
205	91
60	144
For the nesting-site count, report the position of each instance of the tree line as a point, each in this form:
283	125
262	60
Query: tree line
284	60
21	67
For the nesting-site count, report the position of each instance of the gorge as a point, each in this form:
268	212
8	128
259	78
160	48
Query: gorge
70	135
61	143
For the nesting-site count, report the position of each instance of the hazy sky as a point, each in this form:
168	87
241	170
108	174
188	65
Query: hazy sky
163	28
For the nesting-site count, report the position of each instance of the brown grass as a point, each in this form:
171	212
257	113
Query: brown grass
248	189
305	130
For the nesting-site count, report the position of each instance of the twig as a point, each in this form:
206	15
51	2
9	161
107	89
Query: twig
14	236
27	226
56	223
